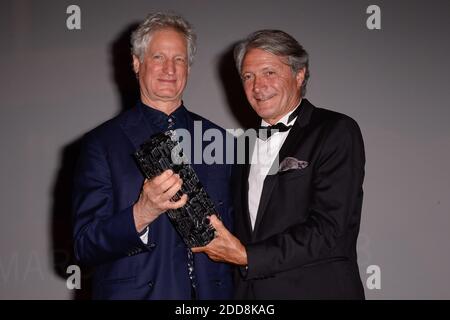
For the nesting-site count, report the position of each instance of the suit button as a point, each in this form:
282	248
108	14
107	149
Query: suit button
218	283
150	284
152	245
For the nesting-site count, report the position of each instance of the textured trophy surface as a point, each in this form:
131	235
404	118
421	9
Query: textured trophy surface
163	152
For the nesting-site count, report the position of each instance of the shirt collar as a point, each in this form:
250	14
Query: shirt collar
160	120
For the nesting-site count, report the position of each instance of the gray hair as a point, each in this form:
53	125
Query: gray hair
279	43
141	37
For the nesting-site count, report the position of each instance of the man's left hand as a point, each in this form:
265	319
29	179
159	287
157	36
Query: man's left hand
224	247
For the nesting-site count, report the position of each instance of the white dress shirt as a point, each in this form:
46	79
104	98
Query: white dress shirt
144	237
264	154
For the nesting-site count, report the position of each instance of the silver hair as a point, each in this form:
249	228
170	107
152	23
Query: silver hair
140	38
279	43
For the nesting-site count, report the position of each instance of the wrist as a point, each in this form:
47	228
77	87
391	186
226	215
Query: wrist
139	218
243	261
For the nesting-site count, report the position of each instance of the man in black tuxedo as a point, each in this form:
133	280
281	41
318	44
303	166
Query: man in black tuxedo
298	202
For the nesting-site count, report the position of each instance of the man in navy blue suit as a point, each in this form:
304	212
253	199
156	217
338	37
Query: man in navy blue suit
120	225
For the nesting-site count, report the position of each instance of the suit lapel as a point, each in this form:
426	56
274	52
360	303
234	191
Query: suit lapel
289	146
139	131
136	128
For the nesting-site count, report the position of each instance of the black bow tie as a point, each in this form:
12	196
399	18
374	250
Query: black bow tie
264	132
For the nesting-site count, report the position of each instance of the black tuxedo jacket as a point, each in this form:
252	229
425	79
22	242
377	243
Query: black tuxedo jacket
303	245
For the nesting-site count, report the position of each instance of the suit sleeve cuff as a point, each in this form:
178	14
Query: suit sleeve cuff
243	270
258	263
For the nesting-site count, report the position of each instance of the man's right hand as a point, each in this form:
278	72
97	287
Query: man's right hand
155	198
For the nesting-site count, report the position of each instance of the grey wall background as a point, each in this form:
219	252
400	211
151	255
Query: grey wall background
57	84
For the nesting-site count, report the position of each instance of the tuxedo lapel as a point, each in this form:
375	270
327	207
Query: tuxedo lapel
249	147
289	146
271	180
199	168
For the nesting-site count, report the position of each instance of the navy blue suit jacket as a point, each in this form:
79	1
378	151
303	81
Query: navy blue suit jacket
107	184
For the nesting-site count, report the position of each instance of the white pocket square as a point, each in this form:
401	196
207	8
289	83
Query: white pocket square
291	163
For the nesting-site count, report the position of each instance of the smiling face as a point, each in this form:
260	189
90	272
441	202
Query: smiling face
163	71
271	87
